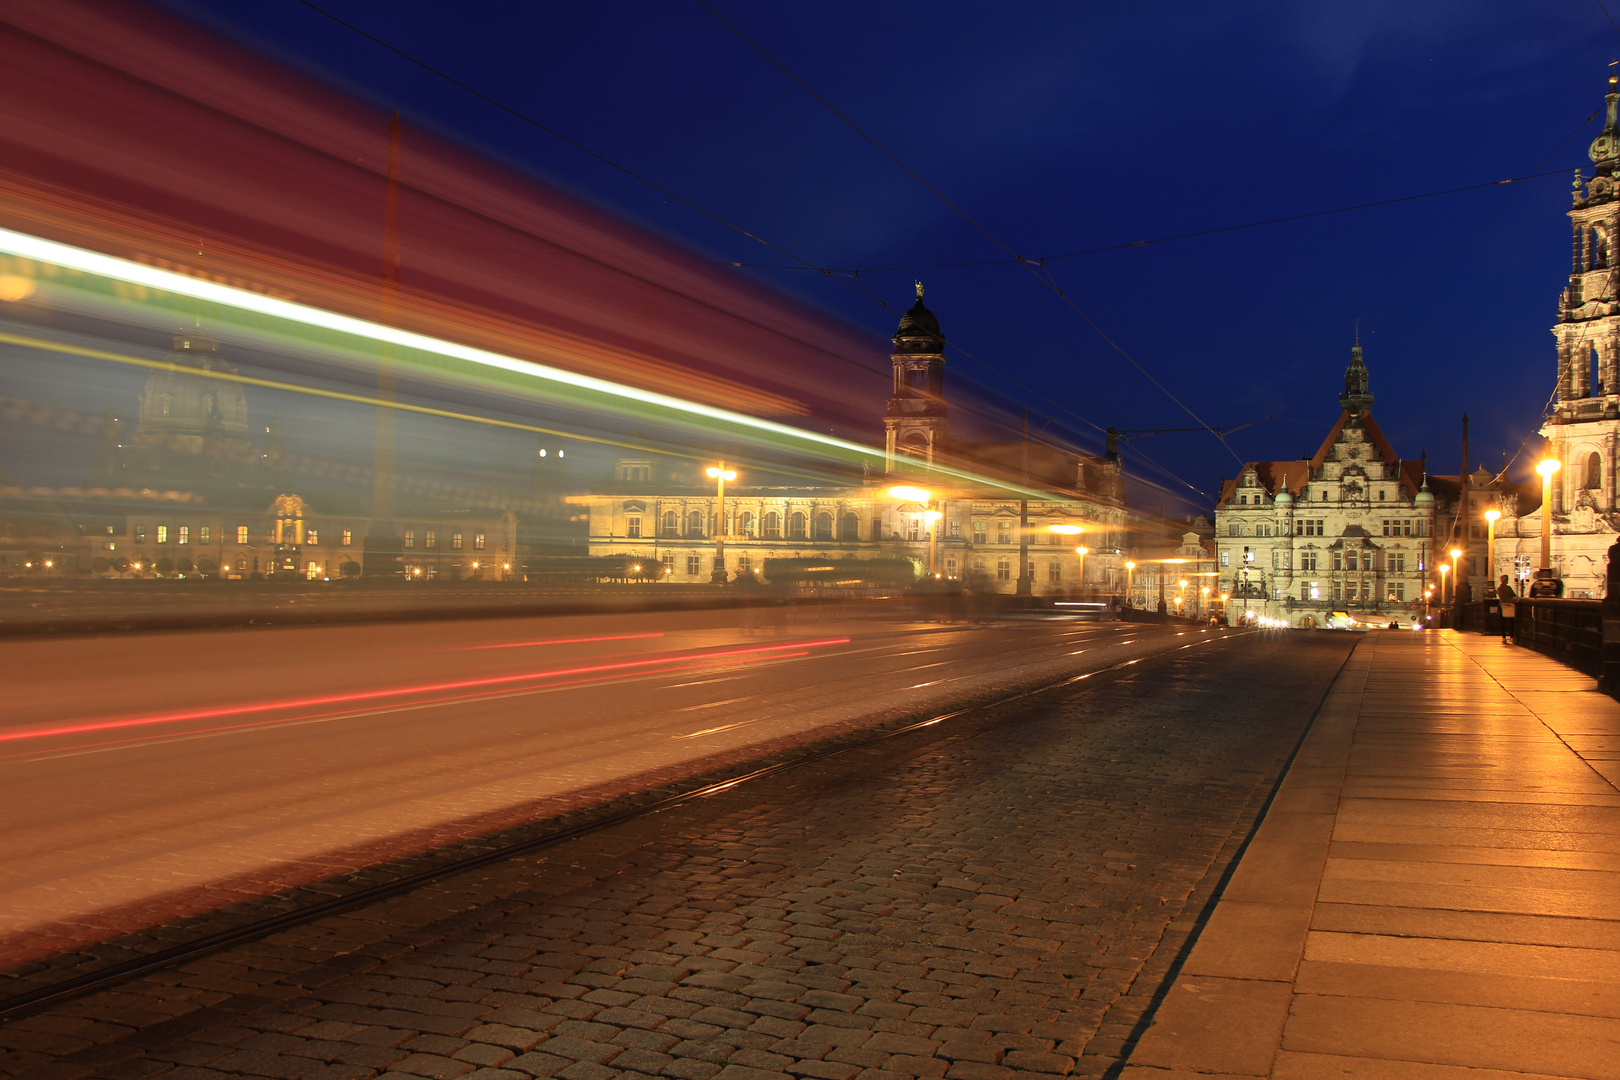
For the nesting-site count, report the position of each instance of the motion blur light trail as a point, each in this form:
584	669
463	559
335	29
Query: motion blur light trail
542	381
404	691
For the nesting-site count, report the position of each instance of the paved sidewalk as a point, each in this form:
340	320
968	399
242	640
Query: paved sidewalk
1435	891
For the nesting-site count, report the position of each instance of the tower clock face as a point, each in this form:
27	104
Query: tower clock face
1602	147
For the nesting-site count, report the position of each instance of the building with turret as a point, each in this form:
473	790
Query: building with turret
1352	528
1582	428
663	512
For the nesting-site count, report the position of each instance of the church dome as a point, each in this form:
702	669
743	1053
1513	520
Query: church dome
919	330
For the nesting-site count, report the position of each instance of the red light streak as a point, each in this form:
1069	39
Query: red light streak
558	641
371	695
339	714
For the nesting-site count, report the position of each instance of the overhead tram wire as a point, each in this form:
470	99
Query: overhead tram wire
1035	267
1127	245
860	290
1514	190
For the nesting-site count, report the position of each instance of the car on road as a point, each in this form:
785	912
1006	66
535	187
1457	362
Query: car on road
1340	620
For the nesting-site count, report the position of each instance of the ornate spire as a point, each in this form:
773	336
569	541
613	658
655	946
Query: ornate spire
1605	149
1356	397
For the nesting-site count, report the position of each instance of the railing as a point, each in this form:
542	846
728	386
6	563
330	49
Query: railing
1567	630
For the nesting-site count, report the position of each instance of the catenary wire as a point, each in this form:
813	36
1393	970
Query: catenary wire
1037	269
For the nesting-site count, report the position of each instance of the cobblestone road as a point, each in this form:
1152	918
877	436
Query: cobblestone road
999	895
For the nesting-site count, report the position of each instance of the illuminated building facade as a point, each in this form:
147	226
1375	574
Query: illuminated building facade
662	512
1583	426
1350	529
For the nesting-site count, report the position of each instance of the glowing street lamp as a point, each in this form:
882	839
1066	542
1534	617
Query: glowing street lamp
907	493
1203	601
1130	581
1455	554
1546	467
1490	546
1082	552
719	474
1443	571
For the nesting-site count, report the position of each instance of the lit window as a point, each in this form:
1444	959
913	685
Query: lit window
202	534
410	538
430	538
140	534
745	523
184	536
311	536
1226	557
163	534
241	534
478	541
346	538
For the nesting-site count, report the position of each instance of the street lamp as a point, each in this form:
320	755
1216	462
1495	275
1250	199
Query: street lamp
1455	553
1203	601
1546	467
1082	552
1443	569
1130	581
1490	546
907	493
719	474
1181	604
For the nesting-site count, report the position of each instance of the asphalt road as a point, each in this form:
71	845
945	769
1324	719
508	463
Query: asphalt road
149	778
994	896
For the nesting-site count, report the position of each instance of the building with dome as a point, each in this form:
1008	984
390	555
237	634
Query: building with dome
1352	528
662	512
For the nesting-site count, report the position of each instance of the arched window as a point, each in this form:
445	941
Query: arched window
672	523
849	527
796	525
1594	471
823	525
745	523
772	526
694	523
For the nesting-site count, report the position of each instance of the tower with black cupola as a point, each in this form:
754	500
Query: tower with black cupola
915	423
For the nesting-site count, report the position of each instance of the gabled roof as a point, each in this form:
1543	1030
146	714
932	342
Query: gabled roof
1277	476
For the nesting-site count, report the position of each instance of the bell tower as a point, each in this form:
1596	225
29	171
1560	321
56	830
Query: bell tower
1588	315
915	424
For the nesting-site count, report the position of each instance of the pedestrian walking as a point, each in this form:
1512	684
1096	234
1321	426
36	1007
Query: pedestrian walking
1506	600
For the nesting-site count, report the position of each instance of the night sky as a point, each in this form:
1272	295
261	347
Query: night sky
1066	127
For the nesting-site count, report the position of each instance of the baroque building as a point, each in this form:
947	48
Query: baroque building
662	513
1583	425
1351	528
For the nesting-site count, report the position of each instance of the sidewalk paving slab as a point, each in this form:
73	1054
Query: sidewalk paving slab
1434	893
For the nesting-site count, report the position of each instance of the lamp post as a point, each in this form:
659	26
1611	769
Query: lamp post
1130	582
1443	570
1203	602
1181	603
1490	547
1225	597
719	474
932	517
1546	467
1456	589
1082	552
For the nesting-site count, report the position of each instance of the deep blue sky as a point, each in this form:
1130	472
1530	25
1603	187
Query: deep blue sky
1069	126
